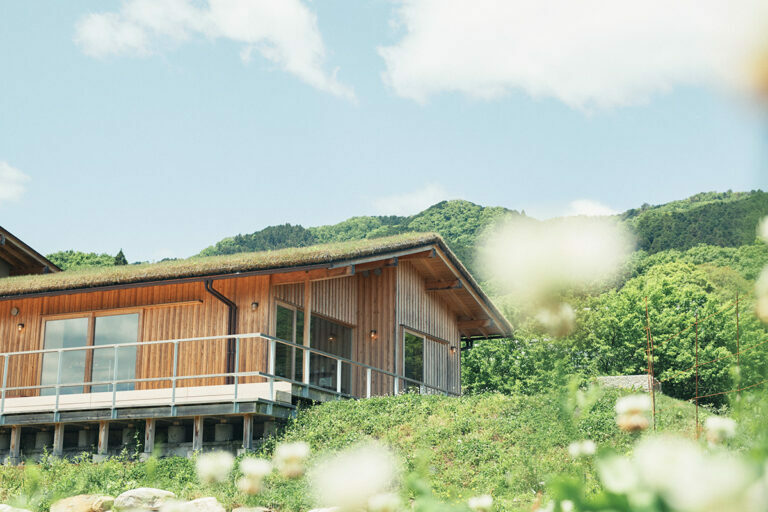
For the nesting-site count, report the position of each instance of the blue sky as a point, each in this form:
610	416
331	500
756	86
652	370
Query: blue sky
165	142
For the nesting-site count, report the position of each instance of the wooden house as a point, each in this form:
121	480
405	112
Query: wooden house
18	259
213	350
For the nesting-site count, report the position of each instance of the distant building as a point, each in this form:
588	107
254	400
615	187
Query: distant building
18	259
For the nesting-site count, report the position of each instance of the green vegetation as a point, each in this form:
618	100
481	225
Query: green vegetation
508	446
72	260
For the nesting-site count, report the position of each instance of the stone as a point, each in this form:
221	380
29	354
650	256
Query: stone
143	498
8	508
223	432
252	509
84	503
329	509
176	434
634	382
198	505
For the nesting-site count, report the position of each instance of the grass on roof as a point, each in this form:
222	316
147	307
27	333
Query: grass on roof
211	265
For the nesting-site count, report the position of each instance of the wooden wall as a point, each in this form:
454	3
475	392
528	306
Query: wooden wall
378	300
427	313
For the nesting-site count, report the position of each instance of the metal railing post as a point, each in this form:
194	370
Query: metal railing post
367	383
338	376
58	381
175	372
237	365
271	368
396	387
5	382
114	378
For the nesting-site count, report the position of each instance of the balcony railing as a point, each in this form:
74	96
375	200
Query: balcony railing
270	377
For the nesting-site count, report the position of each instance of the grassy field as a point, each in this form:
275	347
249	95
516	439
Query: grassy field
507	446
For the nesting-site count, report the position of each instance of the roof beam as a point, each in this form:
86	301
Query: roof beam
436	286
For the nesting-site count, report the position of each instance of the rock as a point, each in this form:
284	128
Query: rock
8	508
84	503
143	498
329	509
252	509
198	505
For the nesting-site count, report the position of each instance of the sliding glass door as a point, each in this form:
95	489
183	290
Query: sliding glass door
79	367
289	327
414	359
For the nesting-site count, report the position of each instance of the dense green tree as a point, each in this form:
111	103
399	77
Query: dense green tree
120	258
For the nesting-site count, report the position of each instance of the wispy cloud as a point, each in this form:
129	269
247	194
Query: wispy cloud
589	208
12	183
411	202
588	54
284	32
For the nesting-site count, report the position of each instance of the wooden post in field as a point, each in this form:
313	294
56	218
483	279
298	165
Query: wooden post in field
103	445
58	439
197	434
149	436
247	432
15	451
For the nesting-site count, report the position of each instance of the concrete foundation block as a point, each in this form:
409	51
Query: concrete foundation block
5	442
100	457
223	432
43	438
176	434
86	438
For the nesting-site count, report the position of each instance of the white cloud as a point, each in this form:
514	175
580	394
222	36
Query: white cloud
284	32
589	208
12	183
586	53
409	203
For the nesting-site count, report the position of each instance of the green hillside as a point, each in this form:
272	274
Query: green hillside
508	446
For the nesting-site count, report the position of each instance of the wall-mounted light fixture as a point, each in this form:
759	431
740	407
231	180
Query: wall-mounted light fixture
20	327
332	337
14	311
254	306
453	350
374	335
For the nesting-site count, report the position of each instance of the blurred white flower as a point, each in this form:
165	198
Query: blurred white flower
617	474
719	428
567	506
353	477
632	412
558	319
387	502
585	448
214	466
762	229
290	459
534	261
254	471
480	503
761	296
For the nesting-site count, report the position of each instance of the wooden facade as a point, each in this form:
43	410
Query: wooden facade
378	299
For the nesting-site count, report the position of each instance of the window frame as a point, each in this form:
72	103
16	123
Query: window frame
90	337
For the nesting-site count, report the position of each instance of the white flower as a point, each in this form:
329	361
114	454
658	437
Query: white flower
617	474
480	503
290	459
255	468
633	404
761	296
632	412
249	485
387	502
566	506
762	229
585	448
558	319
214	466
719	429
351	478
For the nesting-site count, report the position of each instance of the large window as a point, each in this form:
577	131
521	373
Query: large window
94	365
414	359
289	327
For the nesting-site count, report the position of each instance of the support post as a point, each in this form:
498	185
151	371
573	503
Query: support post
247	432
58	440
307	325
15	450
149	436
338	376
367	383
197	434
103	445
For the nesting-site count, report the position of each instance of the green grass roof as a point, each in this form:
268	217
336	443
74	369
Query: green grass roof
212	265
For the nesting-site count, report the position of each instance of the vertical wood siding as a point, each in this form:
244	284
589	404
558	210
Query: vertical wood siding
428	313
